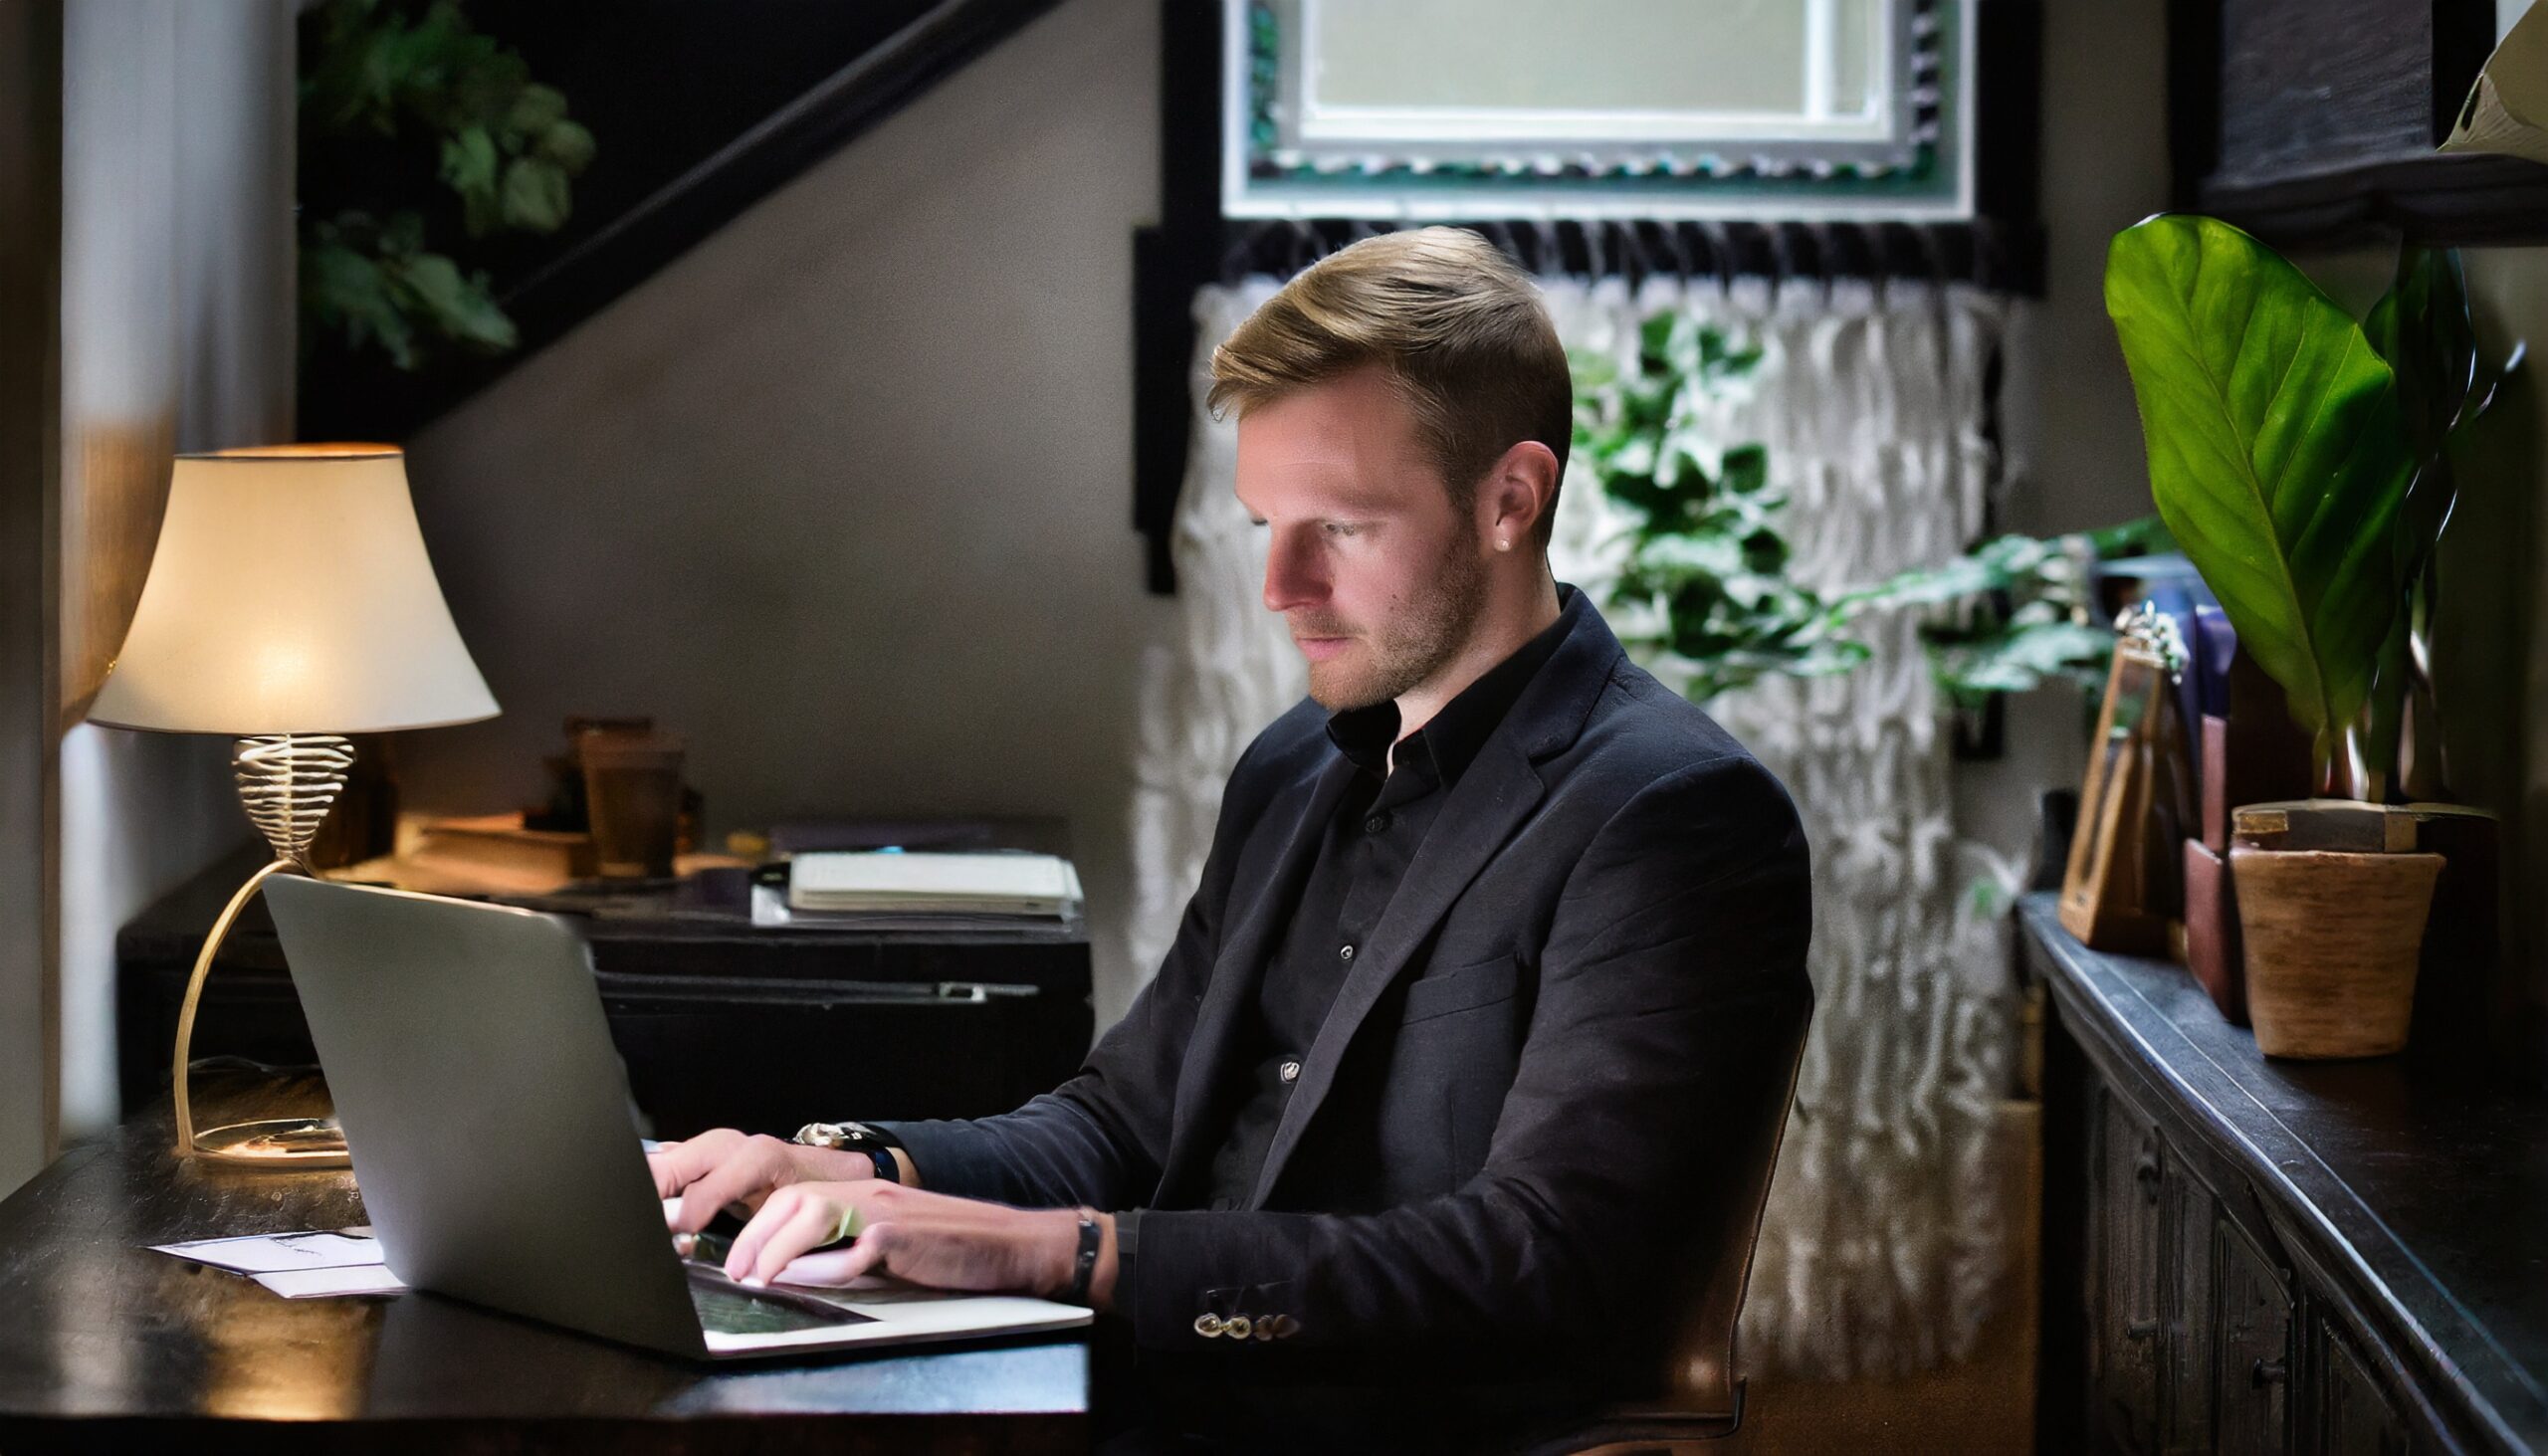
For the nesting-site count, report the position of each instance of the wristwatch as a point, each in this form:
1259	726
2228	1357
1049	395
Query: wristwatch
855	1137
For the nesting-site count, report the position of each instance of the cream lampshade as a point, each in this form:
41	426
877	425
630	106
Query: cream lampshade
290	602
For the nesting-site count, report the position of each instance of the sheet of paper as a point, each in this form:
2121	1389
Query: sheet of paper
266	1253
302	1283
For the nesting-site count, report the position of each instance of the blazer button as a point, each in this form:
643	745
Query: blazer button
1265	1328
1208	1326
1235	1326
1283	1325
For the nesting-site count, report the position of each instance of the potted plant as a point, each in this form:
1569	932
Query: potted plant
2306	476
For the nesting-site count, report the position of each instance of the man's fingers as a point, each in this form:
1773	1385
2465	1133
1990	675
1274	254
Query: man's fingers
676	1165
808	1229
787	1229
838	1266
744	1176
697	1203
746	1245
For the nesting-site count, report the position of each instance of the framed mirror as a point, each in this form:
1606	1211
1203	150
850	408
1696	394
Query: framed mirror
1423	109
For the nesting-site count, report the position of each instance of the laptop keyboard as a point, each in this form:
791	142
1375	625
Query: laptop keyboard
723	1310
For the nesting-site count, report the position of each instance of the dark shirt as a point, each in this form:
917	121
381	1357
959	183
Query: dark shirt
1363	853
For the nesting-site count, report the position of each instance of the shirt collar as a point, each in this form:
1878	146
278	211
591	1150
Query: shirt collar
1452	737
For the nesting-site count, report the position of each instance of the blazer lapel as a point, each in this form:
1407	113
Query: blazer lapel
1497	792
1489	802
1269	875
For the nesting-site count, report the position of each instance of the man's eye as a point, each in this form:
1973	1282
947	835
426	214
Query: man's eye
1252	521
1338	527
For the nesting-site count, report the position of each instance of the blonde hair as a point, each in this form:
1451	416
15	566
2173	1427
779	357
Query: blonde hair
1457	325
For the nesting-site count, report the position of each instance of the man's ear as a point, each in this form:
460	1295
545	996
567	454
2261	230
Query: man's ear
1520	488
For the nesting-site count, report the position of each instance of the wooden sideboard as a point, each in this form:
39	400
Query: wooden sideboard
2244	1255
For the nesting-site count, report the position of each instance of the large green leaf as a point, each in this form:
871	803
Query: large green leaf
2277	452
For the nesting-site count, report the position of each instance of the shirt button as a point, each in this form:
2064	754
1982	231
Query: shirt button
1345	952
1375	823
1289	1072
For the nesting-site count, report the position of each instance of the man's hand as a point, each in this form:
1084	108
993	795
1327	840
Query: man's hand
928	1238
724	1167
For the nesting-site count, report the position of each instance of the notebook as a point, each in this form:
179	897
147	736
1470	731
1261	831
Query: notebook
1012	884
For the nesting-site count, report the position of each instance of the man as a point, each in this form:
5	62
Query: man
1497	942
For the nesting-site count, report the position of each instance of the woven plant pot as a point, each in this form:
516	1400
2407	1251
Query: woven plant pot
2331	940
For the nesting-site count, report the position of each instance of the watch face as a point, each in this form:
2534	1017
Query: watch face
840	1134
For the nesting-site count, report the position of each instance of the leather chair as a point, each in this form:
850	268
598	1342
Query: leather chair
1699	1395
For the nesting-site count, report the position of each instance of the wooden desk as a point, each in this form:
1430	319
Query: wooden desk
106	1346
722	1023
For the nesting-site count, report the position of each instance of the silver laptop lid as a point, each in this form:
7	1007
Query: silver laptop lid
485	1107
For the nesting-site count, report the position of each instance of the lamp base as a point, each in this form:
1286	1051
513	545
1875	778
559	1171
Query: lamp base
285	782
281	1143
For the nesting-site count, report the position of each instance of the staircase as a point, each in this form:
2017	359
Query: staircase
700	109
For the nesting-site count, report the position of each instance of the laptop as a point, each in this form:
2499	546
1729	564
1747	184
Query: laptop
487	1117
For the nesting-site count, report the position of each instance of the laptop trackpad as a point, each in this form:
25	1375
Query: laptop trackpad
725	1308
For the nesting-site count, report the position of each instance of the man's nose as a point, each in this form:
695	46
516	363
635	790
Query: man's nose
1292	574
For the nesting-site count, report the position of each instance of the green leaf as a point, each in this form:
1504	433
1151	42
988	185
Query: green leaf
567	144
2277	453
469	168
343	290
535	108
1747	469
536	195
2422	327
460	306
1591	371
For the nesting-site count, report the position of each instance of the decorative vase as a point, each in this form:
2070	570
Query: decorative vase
2331	939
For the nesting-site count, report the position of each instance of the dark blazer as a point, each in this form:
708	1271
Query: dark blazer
1593	970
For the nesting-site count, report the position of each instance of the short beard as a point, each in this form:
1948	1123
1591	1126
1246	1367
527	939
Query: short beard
1415	644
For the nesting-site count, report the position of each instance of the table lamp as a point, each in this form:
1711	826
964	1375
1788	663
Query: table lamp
290	602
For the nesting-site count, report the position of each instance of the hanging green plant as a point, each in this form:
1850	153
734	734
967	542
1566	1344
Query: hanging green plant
2022	610
396	103
1708	552
1706	548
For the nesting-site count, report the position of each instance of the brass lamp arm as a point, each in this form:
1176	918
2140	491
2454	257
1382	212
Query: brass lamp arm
287	781
194	994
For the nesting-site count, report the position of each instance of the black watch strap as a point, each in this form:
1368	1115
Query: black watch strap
876	1142
1092	1239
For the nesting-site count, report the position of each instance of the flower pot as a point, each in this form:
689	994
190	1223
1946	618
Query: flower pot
2331	939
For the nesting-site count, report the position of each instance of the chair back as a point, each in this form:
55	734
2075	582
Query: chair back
1699	1394
1701	1378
